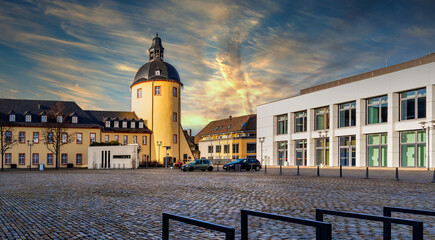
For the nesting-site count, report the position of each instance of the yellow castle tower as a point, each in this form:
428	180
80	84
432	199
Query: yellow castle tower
156	98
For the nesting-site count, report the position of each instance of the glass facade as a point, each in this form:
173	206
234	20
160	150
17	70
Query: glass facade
413	149
413	104
377	150
347	114
347	151
322	151
282	124
301	152
282	152
377	110
301	121
321	118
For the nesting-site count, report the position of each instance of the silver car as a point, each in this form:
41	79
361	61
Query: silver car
198	164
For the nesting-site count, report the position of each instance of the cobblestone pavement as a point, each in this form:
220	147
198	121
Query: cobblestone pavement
128	204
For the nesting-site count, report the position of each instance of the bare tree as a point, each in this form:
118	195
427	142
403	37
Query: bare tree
56	134
6	139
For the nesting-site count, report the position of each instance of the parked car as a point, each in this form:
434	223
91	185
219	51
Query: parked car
198	164
245	163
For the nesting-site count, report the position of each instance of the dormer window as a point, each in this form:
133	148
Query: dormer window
133	125
44	118
12	118
59	119
28	118
116	124
107	124
124	124
158	72
140	124
75	119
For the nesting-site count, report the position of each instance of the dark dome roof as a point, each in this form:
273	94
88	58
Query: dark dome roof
148	72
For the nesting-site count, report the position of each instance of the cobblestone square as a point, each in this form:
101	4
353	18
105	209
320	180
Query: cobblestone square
128	204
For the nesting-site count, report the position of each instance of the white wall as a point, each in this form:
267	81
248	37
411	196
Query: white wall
97	157
391	84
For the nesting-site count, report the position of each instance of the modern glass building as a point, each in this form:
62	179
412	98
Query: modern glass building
382	118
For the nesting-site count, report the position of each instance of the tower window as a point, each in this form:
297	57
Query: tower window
174	91
157	72
174	117
157	90
139	93
175	140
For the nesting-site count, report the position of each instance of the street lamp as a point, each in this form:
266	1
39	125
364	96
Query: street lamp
323	135
261	139
159	143
30	144
427	128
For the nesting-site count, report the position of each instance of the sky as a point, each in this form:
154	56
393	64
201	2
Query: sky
231	55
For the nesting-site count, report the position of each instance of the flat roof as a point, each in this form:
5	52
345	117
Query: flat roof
394	68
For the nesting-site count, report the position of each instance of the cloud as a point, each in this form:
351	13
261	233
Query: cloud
126	68
231	55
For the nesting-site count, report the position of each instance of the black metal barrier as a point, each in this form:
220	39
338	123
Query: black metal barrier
417	226
229	231
388	210
323	230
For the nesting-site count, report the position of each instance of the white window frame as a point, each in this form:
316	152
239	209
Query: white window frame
12	118
44	118
59	119
75	119
28	118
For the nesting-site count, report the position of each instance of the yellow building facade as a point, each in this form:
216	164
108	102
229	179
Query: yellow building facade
154	122
156	98
230	138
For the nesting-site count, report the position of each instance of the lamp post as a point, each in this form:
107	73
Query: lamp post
323	135
159	143
261	139
30	144
427	128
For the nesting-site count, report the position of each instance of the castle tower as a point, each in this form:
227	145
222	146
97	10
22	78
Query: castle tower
156	98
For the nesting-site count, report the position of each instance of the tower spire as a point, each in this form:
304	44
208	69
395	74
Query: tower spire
156	50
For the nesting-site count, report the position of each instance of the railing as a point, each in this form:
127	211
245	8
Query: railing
323	230
229	231
417	226
389	210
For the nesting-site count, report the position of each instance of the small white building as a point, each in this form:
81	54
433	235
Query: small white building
113	157
372	119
